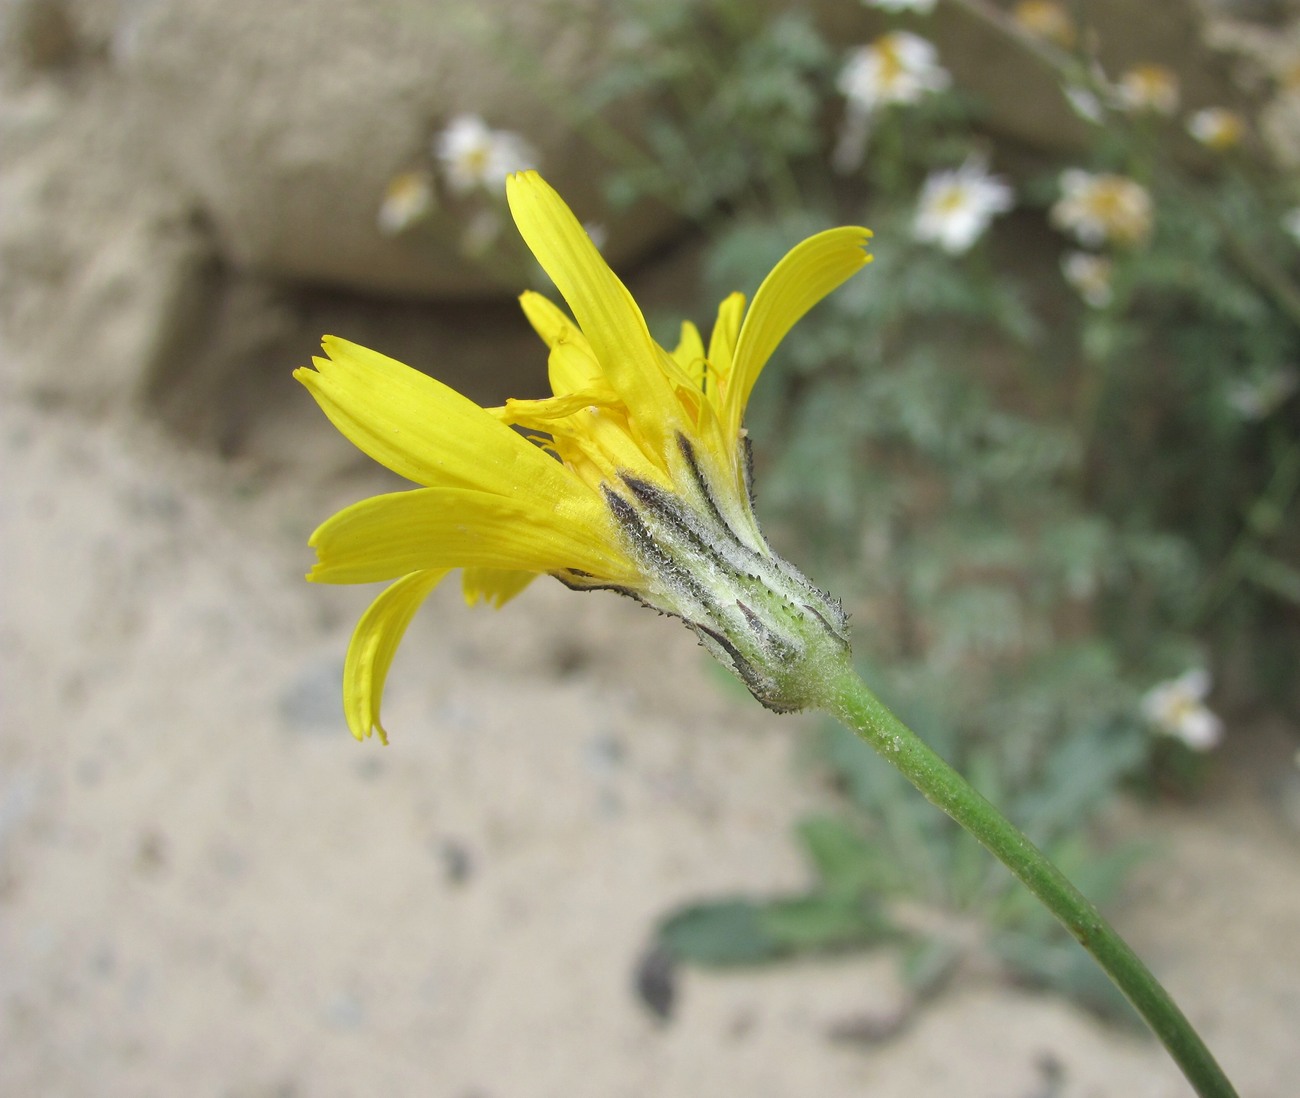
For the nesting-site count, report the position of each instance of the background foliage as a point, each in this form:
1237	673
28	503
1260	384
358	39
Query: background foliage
1039	503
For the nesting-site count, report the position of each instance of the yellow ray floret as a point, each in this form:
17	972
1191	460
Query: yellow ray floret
634	463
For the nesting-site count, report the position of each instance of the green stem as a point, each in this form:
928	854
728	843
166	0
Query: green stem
853	703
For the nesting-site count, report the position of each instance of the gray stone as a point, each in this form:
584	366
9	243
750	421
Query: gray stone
286	121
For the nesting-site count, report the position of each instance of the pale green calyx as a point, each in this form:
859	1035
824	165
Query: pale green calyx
784	637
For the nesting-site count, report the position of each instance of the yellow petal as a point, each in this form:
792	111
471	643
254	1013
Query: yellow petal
542	415
688	357
577	367
726	330
689	346
808	273
602	305
572	366
493	585
423	430
387	536
548	320
374	644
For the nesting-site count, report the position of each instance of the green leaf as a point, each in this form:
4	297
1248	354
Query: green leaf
737	931
720	932
1060	963
844	861
929	965
817	923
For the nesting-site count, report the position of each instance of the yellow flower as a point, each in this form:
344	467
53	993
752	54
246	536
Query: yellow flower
632	476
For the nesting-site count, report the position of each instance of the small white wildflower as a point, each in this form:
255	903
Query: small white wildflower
1047	20
1090	275
1217	128
921	7
408	199
1291	223
957	206
1098	208
1177	708
1257	398
474	155
896	68
1148	87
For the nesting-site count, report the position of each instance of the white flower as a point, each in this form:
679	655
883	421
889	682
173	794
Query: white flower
1098	208
473	155
408	199
1257	398
1217	128
921	7
1148	87
1090	275
895	68
1046	19
956	206
1177	708
1291	223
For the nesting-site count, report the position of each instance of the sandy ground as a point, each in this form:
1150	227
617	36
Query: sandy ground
207	888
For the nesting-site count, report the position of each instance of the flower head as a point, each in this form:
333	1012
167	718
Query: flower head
408	200
895	68
1177	708
1090	275
633	476
1046	19
921	7
1148	87
1217	128
473	155
956	206
1098	208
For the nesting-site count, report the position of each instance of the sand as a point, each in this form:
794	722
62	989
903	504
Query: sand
208	889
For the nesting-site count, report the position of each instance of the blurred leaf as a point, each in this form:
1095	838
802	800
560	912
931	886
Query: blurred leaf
845	862
1080	774
744	932
929	965
721	932
817	923
1061	964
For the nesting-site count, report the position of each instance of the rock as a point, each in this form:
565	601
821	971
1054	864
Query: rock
102	270
171	166
286	122
38	33
1021	96
655	982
